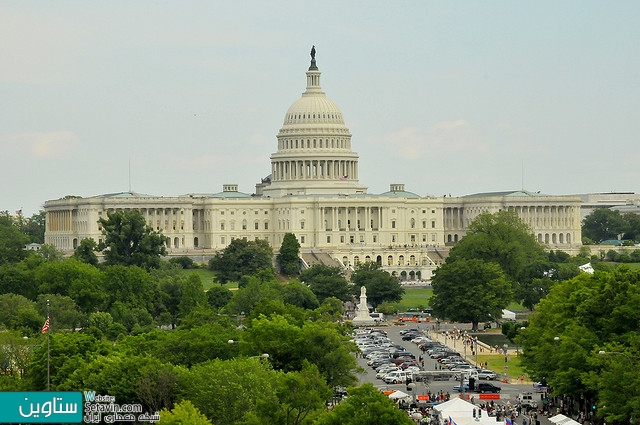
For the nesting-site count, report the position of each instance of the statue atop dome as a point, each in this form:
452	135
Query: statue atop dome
313	66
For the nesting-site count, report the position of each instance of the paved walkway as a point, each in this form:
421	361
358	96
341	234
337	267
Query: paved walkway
471	358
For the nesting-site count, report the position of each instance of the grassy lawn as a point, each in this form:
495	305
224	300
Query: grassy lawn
207	278
496	363
415	298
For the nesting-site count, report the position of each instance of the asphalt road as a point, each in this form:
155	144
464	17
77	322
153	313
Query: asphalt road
509	391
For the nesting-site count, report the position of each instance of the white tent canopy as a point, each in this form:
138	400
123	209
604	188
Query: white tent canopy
397	395
563	420
508	315
454	406
461	411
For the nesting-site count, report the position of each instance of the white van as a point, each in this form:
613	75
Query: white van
397	377
465	374
378	317
527	400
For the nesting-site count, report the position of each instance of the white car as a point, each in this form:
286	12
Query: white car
487	374
396	377
384	371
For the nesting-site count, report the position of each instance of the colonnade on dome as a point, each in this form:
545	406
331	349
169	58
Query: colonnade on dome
314	169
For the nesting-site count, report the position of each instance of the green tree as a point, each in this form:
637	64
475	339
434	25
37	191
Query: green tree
50	253
330	310
603	224
242	258
300	396
299	295
33	227
227	391
365	405
503	238
326	282
183	413
12	241
381	286
101	320
131	286
289	344
245	299
18	278
184	262
86	252
470	291
289	255
63	312
633	226
19	313
218	296
68	351
578	318
129	241
129	378
15	353
193	295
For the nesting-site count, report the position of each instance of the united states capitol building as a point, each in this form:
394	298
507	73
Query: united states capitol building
314	192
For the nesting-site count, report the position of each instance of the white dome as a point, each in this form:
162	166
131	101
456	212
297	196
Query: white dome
314	147
313	108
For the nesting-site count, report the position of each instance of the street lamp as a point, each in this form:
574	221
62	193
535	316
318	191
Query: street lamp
603	353
464	342
476	348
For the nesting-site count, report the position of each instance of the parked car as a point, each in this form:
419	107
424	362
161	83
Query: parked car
384	371
487	374
397	377
485	387
459	387
540	387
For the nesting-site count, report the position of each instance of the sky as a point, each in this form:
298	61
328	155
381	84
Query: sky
450	98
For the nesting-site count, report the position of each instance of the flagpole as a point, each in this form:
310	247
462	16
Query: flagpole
48	353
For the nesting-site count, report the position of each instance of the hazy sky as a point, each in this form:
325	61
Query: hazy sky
448	97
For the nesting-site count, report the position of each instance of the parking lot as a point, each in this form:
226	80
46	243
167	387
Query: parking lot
444	384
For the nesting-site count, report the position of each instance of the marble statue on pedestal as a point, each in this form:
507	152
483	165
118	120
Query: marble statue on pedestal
362	316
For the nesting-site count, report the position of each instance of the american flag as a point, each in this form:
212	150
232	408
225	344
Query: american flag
45	327
344	177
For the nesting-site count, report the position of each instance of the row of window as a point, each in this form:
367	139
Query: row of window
311	144
310	115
